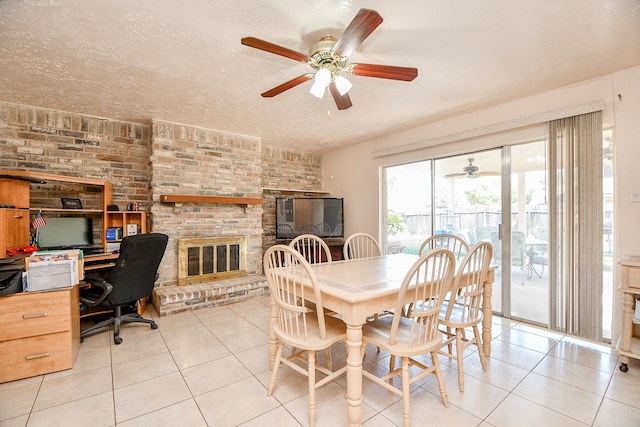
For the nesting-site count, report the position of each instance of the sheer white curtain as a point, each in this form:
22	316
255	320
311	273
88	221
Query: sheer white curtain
576	218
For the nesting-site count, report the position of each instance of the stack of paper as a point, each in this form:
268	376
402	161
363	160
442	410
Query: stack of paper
54	269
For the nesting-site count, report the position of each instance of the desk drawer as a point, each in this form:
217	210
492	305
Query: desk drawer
33	356
631	277
29	314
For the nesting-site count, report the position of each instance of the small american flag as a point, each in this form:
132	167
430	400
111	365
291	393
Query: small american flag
38	221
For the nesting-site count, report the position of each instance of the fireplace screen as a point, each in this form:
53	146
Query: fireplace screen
206	259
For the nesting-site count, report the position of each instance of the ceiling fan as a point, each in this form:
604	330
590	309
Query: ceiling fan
471	171
329	56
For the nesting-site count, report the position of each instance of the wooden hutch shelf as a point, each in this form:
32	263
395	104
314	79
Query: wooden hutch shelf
15	198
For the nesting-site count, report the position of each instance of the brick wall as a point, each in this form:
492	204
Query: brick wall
187	160
144	161
286	173
62	143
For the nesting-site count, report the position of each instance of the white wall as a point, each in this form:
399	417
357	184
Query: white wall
355	171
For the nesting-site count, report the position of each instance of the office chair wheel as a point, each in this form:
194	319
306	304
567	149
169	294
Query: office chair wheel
624	367
154	326
117	340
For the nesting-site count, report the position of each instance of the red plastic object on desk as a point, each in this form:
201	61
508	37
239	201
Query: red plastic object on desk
22	250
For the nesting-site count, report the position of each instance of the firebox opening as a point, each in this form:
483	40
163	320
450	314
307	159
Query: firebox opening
207	259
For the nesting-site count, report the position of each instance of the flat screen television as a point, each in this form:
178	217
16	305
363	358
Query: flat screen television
322	216
66	233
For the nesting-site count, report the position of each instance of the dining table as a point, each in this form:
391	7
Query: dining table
358	289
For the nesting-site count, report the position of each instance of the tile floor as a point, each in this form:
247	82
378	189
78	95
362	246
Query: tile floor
210	368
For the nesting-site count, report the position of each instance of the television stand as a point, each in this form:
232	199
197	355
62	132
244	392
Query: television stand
335	246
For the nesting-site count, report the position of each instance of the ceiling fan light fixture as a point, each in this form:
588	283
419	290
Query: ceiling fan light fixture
343	85
321	81
317	90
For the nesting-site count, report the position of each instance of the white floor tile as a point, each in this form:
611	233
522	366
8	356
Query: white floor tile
236	403
186	357
563	398
142	369
516	411
215	374
617	414
183	374
149	396
62	390
580	376
277	417
479	398
16	401
94	411
183	414
192	336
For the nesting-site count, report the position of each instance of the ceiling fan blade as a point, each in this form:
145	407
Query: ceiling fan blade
383	71
342	101
455	175
357	31
287	85
488	173
274	48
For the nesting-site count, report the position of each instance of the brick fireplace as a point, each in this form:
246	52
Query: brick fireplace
189	161
146	161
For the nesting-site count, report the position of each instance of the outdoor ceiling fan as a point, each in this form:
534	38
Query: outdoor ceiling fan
329	56
471	171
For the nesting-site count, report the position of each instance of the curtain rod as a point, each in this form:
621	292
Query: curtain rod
535	119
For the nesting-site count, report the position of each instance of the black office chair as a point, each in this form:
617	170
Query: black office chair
132	278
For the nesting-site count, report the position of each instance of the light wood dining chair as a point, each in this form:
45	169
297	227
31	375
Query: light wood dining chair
361	245
426	285
312	248
305	329
315	251
464	308
455	244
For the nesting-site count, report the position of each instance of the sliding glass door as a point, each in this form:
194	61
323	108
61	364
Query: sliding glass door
501	196
529	288
407	206
468	201
465	195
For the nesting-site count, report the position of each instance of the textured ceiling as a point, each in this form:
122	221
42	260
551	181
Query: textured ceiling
182	61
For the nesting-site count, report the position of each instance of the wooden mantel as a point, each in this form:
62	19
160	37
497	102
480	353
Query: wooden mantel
211	199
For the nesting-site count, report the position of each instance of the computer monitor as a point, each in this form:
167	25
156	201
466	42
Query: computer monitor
66	233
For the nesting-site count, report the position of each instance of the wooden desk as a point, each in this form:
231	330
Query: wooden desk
360	288
99	261
39	332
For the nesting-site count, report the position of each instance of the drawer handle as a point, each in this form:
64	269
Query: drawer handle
18	216
35	315
37	356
